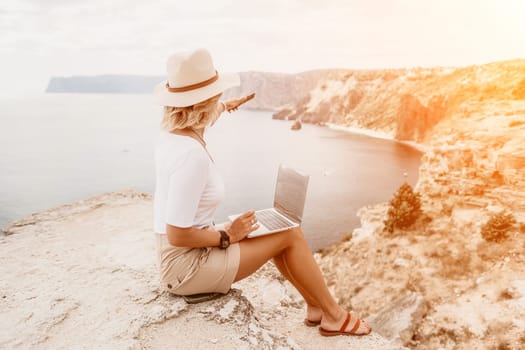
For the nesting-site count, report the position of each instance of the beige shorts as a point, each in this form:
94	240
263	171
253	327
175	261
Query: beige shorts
185	271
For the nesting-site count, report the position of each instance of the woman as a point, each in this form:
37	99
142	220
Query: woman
195	256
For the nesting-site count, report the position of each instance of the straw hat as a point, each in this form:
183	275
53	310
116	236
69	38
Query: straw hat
192	78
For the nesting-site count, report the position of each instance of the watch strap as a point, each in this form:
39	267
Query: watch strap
225	239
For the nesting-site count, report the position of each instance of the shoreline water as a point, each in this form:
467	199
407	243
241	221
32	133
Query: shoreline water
124	148
376	134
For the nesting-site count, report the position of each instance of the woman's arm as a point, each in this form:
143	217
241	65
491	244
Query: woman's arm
194	237
232	105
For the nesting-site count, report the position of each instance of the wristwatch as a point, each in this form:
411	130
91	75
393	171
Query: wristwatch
225	240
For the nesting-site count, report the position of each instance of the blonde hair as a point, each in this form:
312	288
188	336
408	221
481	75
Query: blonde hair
196	116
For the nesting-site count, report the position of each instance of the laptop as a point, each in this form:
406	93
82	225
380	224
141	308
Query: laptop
288	204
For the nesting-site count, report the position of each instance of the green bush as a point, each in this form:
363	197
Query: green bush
498	226
404	208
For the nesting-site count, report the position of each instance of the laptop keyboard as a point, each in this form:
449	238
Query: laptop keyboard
272	220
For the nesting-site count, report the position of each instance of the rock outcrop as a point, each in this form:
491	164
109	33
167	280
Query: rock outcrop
438	285
450	288
399	319
406	103
83	276
414	120
476	162
274	90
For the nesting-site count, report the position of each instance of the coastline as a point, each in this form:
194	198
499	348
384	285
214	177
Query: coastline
376	134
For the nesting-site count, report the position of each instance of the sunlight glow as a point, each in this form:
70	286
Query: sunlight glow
40	39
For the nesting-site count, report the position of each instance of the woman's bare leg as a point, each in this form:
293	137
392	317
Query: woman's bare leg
313	311
301	267
283	269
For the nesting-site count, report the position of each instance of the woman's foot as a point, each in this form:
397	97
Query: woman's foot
313	316
348	325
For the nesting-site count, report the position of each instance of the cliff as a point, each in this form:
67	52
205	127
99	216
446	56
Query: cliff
83	276
439	284
451	288
275	90
406	103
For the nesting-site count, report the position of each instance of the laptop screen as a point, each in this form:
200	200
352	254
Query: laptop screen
290	193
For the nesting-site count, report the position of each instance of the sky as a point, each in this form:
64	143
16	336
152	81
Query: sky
44	38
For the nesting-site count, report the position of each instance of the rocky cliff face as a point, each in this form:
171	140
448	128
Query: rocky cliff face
415	120
449	287
407	103
437	285
477	161
274	90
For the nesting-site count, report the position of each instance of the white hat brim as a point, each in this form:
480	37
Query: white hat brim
189	98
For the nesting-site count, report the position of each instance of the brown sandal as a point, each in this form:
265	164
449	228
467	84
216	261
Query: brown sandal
327	333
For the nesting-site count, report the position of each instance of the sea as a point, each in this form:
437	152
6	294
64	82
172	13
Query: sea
59	148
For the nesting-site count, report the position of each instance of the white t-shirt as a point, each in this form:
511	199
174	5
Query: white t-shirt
188	186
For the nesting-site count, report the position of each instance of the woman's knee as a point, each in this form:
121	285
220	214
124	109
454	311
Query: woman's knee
295	235
297	231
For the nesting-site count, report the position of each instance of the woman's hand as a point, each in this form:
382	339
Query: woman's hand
242	226
233	105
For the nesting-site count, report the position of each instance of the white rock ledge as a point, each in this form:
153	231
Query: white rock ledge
83	276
